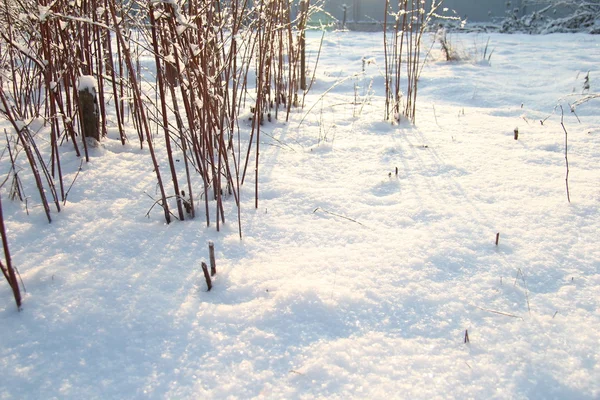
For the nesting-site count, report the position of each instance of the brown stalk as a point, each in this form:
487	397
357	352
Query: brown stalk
8	270
26	146
161	88
140	110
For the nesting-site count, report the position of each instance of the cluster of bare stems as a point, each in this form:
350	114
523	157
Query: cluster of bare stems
405	23
213	61
212	57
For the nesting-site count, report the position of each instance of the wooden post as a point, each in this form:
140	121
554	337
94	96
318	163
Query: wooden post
344	20
206	275
516	133
497	238
88	107
213	265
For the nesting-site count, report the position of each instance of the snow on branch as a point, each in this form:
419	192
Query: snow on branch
24	50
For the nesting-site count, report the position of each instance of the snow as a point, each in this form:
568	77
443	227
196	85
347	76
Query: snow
87	82
351	281
44	12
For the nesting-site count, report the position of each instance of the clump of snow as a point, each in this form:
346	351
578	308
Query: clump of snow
87	82
43	12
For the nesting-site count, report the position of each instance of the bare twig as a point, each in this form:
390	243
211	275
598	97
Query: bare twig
497	312
336	215
72	183
324	94
562	115
520	272
160	203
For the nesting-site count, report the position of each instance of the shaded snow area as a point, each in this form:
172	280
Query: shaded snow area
352	280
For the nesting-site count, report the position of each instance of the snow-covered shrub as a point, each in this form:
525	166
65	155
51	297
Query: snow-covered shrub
453	51
448	50
555	16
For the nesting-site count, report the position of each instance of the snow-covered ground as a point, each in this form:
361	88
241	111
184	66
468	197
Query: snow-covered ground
351	281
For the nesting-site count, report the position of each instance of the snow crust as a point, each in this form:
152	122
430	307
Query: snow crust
371	253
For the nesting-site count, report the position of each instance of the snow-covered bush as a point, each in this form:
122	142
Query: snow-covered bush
555	16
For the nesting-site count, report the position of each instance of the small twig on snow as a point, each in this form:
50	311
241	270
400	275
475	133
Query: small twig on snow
72	183
160	203
497	312
337	215
520	272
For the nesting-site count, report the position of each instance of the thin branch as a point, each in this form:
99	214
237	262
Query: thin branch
24	51
337	215
497	312
520	272
72	183
325	93
562	116
160	203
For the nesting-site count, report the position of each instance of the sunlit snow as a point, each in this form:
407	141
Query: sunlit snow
372	251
